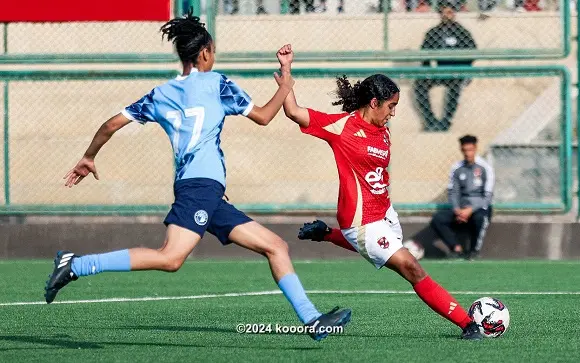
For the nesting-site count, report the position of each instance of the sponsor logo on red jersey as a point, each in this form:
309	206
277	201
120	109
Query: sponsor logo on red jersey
373	151
375	180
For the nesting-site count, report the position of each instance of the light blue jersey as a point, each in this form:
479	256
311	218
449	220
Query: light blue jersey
191	109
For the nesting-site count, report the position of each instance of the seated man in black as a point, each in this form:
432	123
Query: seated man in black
470	192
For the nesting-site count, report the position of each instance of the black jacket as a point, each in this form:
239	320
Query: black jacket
449	36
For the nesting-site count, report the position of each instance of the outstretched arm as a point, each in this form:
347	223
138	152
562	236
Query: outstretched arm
87	163
263	115
291	109
294	112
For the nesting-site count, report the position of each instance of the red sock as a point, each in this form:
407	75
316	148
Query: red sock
335	236
441	301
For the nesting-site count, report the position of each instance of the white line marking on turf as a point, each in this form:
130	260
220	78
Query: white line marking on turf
147	298
278	292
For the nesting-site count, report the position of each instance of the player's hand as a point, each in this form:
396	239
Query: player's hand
285	56
84	167
284	79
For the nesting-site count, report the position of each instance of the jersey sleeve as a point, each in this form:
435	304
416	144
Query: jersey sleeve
234	100
454	188
325	126
141	111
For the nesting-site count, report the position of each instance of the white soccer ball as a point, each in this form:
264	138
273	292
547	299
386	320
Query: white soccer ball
414	248
491	315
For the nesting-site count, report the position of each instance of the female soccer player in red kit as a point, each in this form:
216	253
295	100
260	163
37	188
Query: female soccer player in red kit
368	223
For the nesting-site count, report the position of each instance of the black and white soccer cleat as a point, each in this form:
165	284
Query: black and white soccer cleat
314	231
328	323
61	275
472	332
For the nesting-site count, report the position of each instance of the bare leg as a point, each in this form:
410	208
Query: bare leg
179	243
258	238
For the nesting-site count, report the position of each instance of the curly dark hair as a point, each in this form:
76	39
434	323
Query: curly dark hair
188	35
360	95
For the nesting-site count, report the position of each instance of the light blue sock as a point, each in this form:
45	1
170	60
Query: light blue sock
294	292
103	262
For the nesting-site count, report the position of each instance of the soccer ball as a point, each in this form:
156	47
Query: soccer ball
491	315
414	248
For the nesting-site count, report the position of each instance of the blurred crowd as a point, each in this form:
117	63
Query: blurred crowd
377	6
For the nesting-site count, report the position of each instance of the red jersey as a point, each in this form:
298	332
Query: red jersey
362	154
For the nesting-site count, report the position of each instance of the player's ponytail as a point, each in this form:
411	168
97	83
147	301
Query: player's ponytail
189	36
360	95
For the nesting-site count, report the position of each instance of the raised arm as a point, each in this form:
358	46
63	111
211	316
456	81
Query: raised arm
86	165
294	112
291	109
263	115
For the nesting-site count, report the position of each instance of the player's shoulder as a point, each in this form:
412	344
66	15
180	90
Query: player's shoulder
456	166
329	116
219	77
483	163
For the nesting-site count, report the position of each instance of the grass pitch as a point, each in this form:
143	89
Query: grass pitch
192	315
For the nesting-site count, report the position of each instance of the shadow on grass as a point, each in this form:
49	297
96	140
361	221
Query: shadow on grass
203	329
66	342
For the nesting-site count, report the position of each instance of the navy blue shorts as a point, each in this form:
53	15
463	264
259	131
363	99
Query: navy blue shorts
199	206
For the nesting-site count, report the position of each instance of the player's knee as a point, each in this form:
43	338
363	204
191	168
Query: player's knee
277	247
173	264
412	270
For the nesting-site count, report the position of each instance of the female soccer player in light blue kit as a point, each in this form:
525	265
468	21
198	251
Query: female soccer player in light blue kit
191	109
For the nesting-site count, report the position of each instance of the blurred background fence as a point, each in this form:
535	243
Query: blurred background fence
363	30
276	168
522	113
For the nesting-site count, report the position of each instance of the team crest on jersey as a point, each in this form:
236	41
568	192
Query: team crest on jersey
200	217
383	243
386	139
477	177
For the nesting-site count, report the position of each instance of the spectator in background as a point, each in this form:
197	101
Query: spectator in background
448	35
322	7
470	192
486	5
532	5
423	6
232	7
294	6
